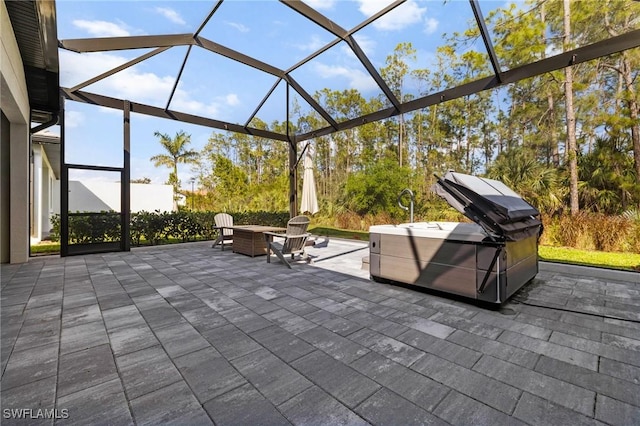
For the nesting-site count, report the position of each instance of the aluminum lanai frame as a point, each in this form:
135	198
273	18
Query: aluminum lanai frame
161	43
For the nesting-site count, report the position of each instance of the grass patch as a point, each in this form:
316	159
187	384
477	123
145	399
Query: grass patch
48	247
601	259
45	247
327	231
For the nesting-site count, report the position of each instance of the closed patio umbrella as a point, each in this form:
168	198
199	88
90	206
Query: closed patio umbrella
309	197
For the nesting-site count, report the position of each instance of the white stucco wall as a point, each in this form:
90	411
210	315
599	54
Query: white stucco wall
42	198
104	196
15	106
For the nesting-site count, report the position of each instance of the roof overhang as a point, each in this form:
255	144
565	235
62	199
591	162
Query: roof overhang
35	28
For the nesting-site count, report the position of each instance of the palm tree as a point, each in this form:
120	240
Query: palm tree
177	152
532	180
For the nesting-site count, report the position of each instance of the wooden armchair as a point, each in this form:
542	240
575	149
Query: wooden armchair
292	243
224	222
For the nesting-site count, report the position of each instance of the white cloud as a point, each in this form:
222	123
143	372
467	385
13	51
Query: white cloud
240	27
357	79
130	83
431	25
367	44
101	28
321	4
399	18
312	45
73	119
171	15
232	99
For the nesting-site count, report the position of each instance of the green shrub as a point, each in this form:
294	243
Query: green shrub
156	227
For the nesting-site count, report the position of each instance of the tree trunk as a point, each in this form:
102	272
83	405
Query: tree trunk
572	155
633	111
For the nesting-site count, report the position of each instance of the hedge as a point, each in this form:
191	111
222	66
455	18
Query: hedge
156	227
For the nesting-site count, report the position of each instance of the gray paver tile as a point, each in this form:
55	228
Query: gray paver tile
335	323
560	392
371	307
423	325
276	380
244	406
601	383
442	348
391	348
471	383
377	323
314	404
596	348
551	349
621	342
335	345
459	409
146	370
45	313
474	327
160	316
291	322
620	370
537	411
230	341
257	304
245	319
298	293
80	315
82	336
83	369
34	335
504	322
556	325
185	302
387	408
208	373
171	405
411	385
95	404
204	318
407	307
122	317
342	382
30	365
35	395
131	338
283	344
495	348
615	412
180	339
79	299
114	300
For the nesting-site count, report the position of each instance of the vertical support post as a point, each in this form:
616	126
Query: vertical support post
293	170
19	206
64	186
125	188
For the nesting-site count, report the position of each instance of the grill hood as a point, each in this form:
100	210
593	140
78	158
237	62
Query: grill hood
491	204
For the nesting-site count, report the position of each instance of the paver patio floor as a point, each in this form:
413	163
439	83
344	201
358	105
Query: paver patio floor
187	334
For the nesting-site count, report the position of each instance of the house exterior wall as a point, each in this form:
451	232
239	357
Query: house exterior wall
42	201
14	226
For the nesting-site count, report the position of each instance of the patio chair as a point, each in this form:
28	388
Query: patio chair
292	243
224	222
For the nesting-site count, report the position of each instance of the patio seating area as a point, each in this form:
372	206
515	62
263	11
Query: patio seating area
187	334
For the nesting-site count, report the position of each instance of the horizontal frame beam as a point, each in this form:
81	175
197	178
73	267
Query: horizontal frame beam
109	102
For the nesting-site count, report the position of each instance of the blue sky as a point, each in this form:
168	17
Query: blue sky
215	87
